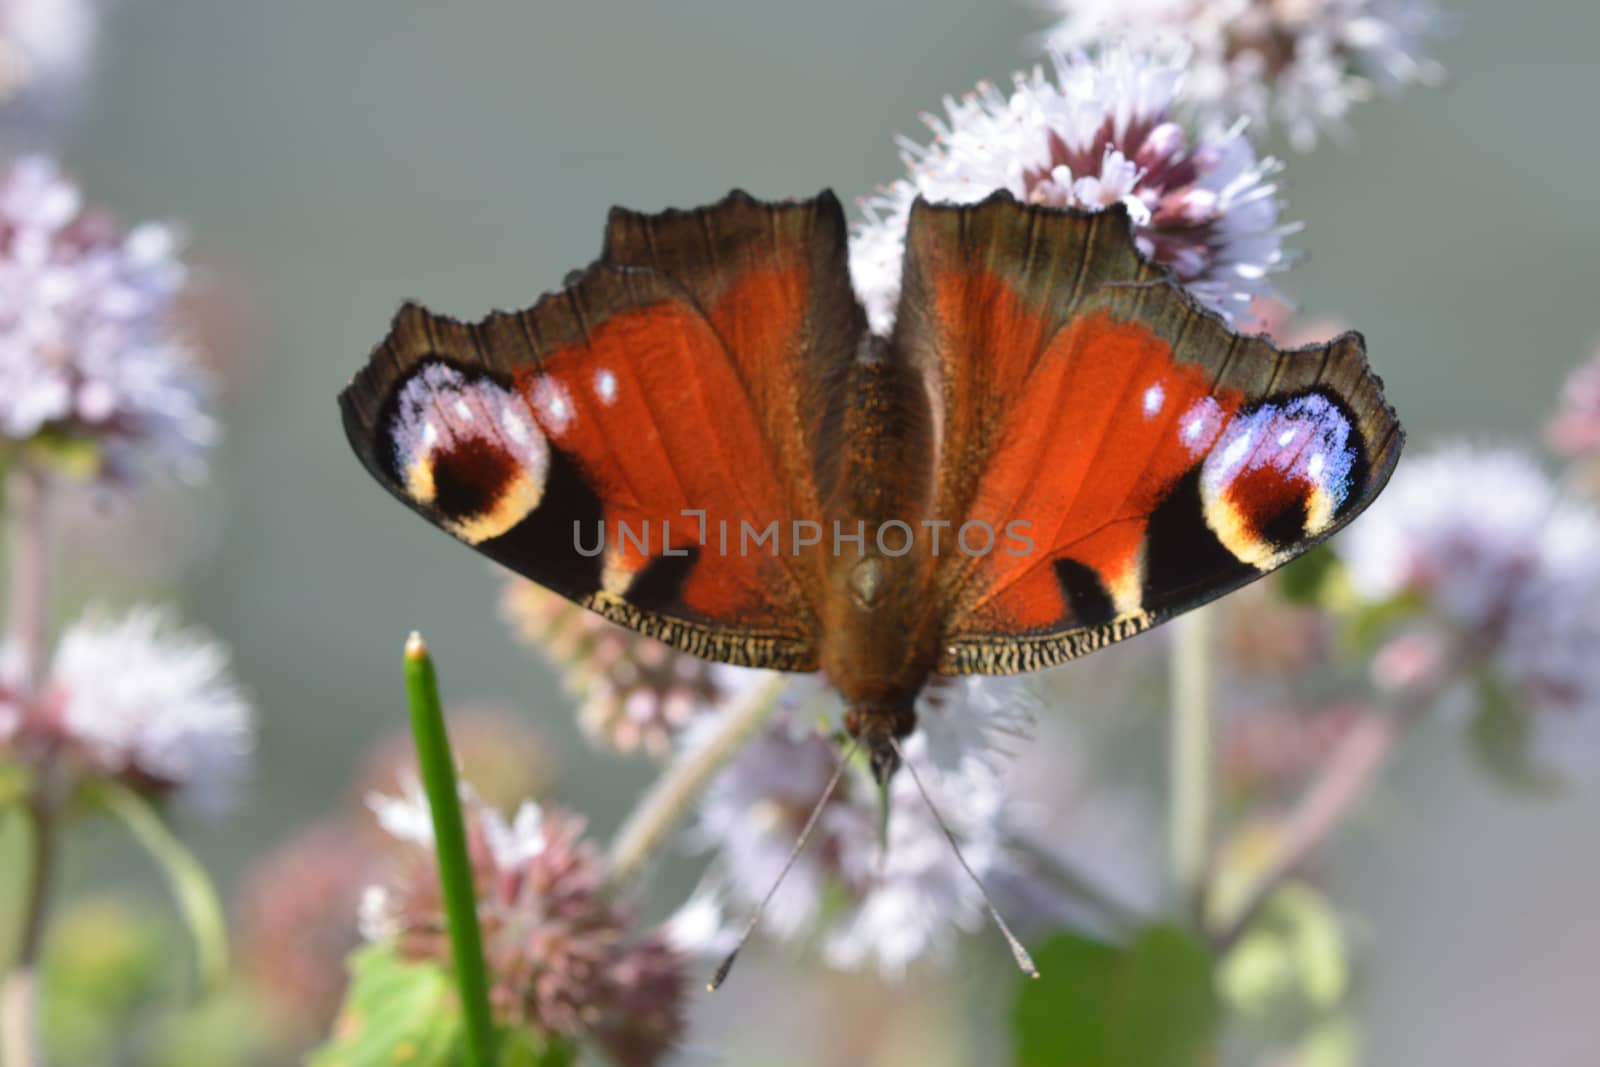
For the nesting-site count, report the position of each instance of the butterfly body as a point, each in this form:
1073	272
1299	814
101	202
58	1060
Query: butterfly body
699	439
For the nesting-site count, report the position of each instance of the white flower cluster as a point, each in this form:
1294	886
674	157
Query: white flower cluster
905	896
44	45
1509	565
87	346
142	698
1299	63
1102	131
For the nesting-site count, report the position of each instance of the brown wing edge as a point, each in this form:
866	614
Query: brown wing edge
1121	277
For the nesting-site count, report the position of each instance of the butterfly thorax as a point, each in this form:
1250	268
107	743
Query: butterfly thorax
880	631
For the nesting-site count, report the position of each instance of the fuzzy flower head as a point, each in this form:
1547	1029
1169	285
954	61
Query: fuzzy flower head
1506	569
297	922
562	958
902	895
1299	63
138	699
44	44
1102	131
88	350
635	693
1574	433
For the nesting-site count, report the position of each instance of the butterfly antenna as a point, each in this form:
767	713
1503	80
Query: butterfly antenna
1020	954
794	854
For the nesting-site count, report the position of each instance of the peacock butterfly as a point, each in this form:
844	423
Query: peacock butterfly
698	438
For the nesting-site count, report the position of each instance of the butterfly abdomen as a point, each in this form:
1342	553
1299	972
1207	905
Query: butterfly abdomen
880	641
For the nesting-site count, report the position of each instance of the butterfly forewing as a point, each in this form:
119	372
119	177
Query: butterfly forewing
1124	455
663	402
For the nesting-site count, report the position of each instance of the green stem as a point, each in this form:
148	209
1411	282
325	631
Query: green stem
1344	779
450	842
19	994
1190	754
669	800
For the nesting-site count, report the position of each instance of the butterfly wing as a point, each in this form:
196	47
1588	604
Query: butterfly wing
661	406
1129	455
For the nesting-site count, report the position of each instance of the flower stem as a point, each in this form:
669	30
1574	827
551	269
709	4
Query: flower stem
28	575
20	1044
668	801
1343	780
455	867
27	622
1190	753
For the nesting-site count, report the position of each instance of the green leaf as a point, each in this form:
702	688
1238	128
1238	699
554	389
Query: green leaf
16	781
64	454
1295	952
1311	578
1501	736
1147	1004
1335	1043
192	887
523	1048
395	1013
1370	621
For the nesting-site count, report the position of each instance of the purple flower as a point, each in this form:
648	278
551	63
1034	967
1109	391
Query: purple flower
88	349
44	45
1505	572
1101	131
895	898
1299	63
137	698
562	957
635	693
1575	430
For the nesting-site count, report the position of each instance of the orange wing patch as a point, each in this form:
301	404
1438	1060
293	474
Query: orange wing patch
1105	426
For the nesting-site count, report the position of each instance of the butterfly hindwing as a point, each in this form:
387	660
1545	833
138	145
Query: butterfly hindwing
1132	455
662	392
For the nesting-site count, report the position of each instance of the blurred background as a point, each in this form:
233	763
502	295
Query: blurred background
330	160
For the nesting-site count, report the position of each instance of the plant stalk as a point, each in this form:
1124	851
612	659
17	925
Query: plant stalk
1190	757
438	770
661	809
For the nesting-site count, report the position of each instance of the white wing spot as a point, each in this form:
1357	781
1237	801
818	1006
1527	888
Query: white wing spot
1314	466
1285	437
1153	399
516	428
1236	449
1196	426
605	386
551	399
463	409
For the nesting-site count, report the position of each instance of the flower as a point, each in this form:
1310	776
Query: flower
562	958
1575	431
1300	63
88	351
635	692
44	44
903	894
136	698
1101	132
1505	568
297	922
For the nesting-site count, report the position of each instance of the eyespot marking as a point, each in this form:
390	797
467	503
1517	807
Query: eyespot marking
1278	474
466	450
